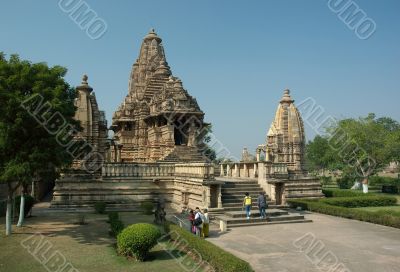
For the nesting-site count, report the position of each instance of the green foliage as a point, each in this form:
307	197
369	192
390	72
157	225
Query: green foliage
29	202
100	207
137	240
361	201
147	207
318	154
342	193
116	224
345	182
113	216
380	217
357	147
377	180
27	149
326	180
218	258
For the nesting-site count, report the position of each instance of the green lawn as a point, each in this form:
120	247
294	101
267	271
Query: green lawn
87	247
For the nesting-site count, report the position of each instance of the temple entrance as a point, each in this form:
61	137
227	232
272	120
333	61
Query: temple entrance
214	196
279	189
179	139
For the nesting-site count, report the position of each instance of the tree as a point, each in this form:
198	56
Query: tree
364	146
318	155
36	103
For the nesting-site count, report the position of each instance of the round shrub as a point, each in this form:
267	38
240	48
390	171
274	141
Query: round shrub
137	240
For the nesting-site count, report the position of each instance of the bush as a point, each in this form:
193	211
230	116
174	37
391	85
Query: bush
147	207
377	180
326	180
380	217
29	202
361	201
117	227
218	258
345	182
113	216
137	240
116	224
342	193
100	207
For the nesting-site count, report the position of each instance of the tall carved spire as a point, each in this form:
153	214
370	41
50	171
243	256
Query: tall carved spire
286	138
151	58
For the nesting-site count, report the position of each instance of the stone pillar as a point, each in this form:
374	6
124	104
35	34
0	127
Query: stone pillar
255	170
228	170
222	171
246	174
219	196
119	147
236	171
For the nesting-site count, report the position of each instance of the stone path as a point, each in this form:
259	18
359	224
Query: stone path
353	245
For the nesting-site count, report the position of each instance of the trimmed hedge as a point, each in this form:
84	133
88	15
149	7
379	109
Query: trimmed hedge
116	224
379	217
218	258
361	201
342	193
137	240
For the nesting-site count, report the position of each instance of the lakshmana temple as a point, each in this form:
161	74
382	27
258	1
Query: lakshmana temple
157	150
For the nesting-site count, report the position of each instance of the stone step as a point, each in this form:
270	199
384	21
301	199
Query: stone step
256	213
254	208
237	225
253	219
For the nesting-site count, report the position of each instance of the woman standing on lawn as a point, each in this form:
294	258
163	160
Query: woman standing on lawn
191	220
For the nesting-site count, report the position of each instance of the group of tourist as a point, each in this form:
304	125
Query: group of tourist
200	222
262	205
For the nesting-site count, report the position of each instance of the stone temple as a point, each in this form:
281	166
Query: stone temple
158	119
279	164
156	152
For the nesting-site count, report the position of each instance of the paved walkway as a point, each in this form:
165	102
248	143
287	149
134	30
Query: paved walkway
328	242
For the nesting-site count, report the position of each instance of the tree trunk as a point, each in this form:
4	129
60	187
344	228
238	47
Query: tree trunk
8	216
21	209
365	185
33	189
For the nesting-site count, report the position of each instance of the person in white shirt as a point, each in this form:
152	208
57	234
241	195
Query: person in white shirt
198	221
206	224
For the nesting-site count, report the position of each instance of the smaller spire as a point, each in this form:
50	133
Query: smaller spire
286	97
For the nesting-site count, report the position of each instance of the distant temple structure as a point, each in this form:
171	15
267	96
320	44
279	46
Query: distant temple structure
279	164
158	119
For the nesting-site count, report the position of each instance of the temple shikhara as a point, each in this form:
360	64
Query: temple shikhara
157	153
158	119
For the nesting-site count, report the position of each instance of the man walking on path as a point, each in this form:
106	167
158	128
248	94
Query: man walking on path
247	205
262	205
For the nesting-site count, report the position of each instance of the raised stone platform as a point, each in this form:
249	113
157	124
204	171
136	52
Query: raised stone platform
274	216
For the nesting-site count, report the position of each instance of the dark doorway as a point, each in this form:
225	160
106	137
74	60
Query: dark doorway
179	139
279	188
214	196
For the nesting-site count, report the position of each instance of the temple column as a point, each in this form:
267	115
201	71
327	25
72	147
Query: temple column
246	174
228	170
219	197
221	174
236	171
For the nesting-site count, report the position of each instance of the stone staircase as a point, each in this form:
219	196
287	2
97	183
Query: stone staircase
183	153
233	192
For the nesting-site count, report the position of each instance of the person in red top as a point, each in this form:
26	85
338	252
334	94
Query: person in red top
191	219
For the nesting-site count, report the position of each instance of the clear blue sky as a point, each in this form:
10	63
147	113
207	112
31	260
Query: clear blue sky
235	57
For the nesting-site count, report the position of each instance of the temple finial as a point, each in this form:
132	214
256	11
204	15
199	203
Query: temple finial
84	79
